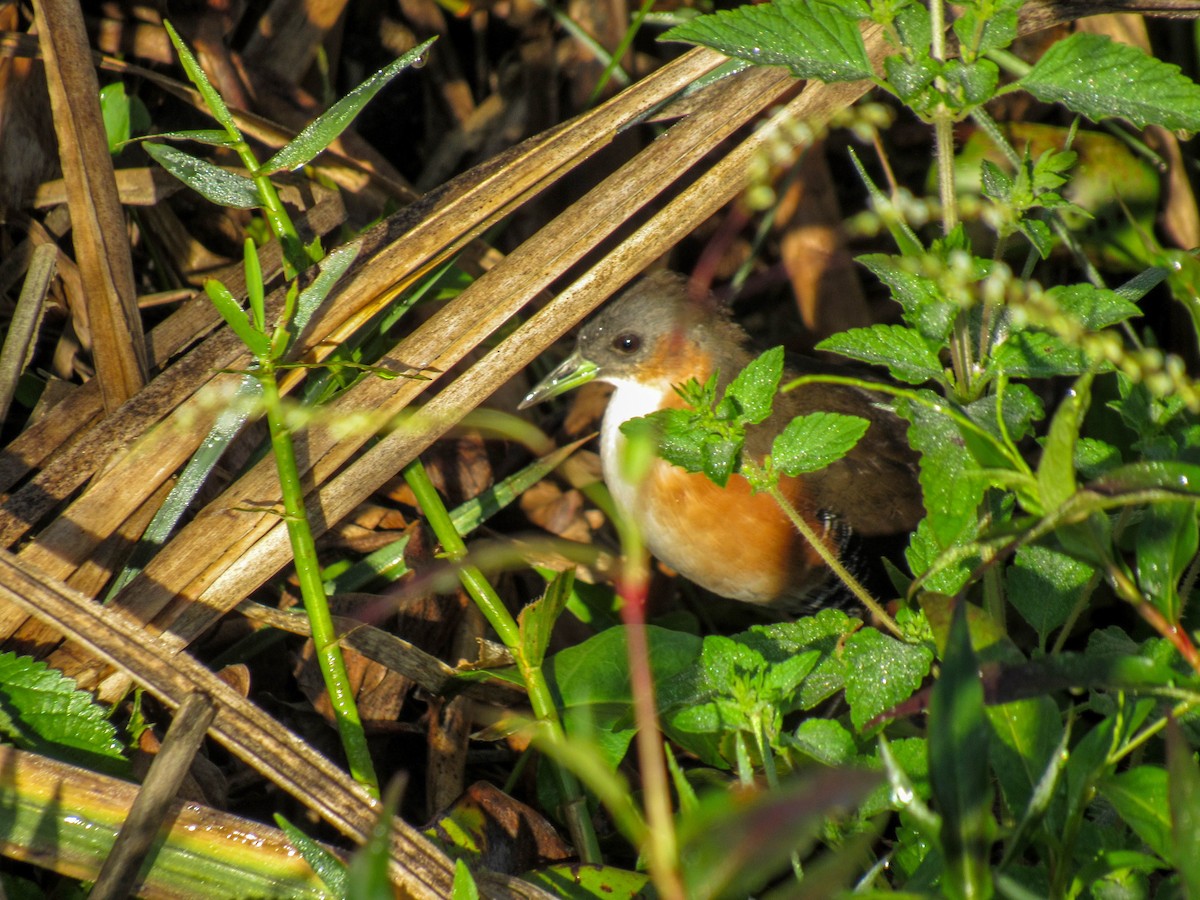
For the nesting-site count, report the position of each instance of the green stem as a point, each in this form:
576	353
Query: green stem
835	565
312	590
485	597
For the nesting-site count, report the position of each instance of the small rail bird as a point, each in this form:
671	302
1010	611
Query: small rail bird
729	540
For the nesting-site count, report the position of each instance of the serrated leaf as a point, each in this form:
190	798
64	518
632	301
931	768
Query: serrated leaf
825	740
982	28
881	672
813	38
1094	307
42	710
324	130
908	355
753	389
924	306
210	181
813	441
1099	78
1037	354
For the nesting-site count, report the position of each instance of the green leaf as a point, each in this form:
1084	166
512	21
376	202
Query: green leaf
825	740
925	306
958	770
114	107
983	27
1044	585
330	869
331	270
464	887
578	881
196	75
908	355
1165	542
210	181
536	621
753	389
324	130
813	38
235	317
1140	797
1037	354
880	672
41	710
1056	471
1027	738
813	441
1183	782
736	843
1097	77
1094	307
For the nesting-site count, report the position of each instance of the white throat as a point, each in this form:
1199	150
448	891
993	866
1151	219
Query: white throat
630	399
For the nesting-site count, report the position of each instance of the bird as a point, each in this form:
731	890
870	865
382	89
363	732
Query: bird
730	540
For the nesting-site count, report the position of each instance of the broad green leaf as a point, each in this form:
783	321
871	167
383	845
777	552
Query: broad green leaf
1165	542
950	492
324	130
925	308
958	766
1093	75
42	711
1183	781
824	632
825	740
1037	354
813	441
813	38
1027	736
908	355
114	107
196	75
753	389
1096	308
1044	585
880	672
235	317
211	182
1056	471
1174	477
1140	797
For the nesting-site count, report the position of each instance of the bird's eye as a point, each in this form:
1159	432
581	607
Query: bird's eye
628	342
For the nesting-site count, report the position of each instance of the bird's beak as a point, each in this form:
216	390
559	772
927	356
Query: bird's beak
574	371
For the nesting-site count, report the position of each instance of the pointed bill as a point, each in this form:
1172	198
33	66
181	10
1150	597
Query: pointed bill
571	373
